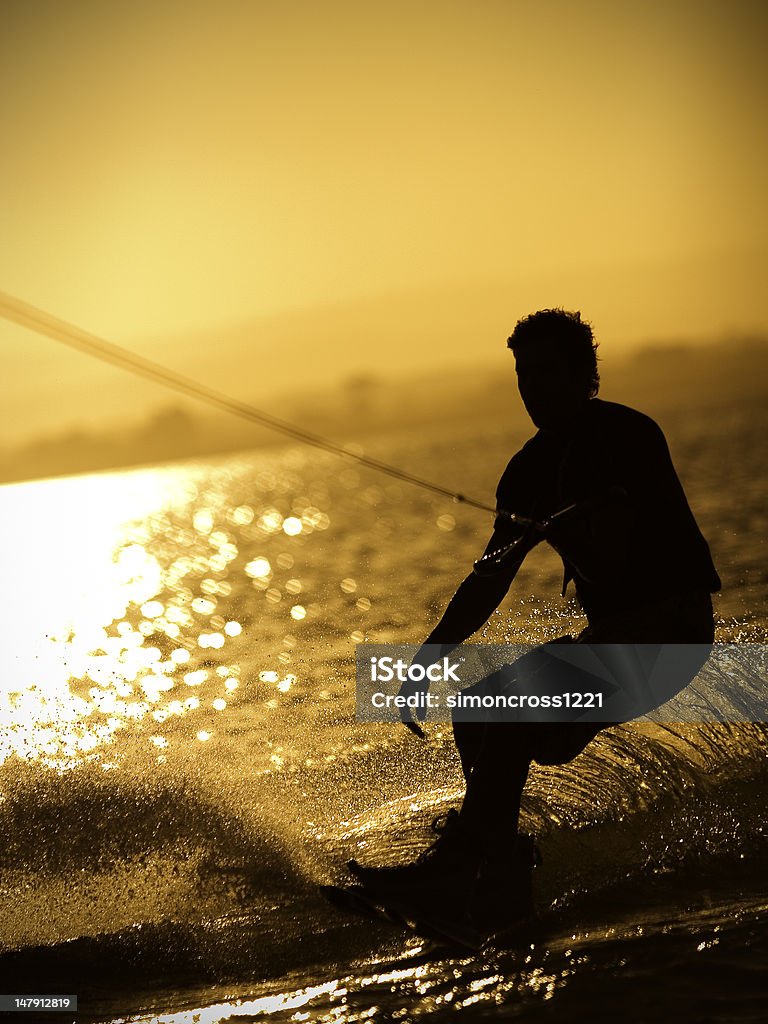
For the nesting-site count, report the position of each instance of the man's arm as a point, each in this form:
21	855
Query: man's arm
480	595
476	599
470	607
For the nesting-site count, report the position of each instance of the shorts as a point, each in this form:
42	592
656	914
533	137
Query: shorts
631	663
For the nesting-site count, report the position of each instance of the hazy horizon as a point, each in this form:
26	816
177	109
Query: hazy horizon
57	389
671	380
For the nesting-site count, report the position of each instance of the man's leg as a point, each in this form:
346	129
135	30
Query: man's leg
497	746
502	860
491	805
468	737
502	758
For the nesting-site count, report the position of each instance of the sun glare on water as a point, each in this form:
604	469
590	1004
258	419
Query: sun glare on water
126	600
72	671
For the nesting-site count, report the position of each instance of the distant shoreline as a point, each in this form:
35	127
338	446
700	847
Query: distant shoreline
363	407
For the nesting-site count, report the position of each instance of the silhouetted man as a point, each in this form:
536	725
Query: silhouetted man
643	575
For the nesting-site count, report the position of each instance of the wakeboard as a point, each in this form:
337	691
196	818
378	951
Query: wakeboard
426	921
354	899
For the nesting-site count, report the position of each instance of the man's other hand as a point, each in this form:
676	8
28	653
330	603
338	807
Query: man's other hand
427	655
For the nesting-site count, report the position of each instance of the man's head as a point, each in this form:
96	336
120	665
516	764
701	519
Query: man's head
556	361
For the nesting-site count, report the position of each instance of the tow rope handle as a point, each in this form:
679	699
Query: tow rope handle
536	531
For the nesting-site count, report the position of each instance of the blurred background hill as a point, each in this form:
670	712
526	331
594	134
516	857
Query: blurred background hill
662	379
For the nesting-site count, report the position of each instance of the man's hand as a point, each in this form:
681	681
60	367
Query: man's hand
427	655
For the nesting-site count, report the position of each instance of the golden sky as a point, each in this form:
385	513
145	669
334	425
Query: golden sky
176	169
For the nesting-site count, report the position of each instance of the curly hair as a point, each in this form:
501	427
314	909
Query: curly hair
572	334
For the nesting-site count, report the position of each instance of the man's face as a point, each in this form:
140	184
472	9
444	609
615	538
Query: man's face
550	390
